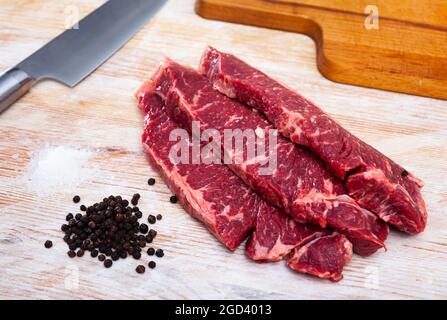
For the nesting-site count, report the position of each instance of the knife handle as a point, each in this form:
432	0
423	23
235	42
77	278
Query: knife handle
14	83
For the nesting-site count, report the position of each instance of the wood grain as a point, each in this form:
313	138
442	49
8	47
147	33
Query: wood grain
100	116
407	52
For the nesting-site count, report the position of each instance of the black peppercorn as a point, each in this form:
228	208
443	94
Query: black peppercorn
144	228
80	253
151	251
76	199
151	219
152	233
69	217
142	243
101	257
159	253
140	269
71	254
151	181
119	217
136	254
115	255
108	252
159	216
94	253
108	263
83	208
173	199
48	244
152	264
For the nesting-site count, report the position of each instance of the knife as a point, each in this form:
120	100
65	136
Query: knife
77	52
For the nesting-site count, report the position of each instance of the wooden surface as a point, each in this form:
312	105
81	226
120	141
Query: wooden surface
406	51
99	124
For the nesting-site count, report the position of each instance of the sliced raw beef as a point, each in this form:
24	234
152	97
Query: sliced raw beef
315	251
315	258
300	183
226	205
277	236
374	181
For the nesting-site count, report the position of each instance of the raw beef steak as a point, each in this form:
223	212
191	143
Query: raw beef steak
300	183
373	180
225	204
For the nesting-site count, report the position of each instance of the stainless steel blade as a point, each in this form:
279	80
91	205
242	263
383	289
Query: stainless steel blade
75	53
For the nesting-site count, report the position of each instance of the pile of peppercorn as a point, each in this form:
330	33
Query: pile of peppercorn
110	231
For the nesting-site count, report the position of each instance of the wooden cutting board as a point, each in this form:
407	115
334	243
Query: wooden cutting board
397	45
58	142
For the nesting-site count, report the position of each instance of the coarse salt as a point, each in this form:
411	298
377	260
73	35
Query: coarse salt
55	169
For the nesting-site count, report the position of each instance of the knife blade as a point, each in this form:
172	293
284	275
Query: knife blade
77	52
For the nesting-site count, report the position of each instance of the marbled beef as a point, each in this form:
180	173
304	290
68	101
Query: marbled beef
300	184
230	209
376	182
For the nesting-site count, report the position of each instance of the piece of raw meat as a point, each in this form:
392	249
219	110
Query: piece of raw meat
300	183
224	203
373	180
316	258
311	250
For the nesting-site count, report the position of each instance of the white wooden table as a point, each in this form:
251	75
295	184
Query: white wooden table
87	140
